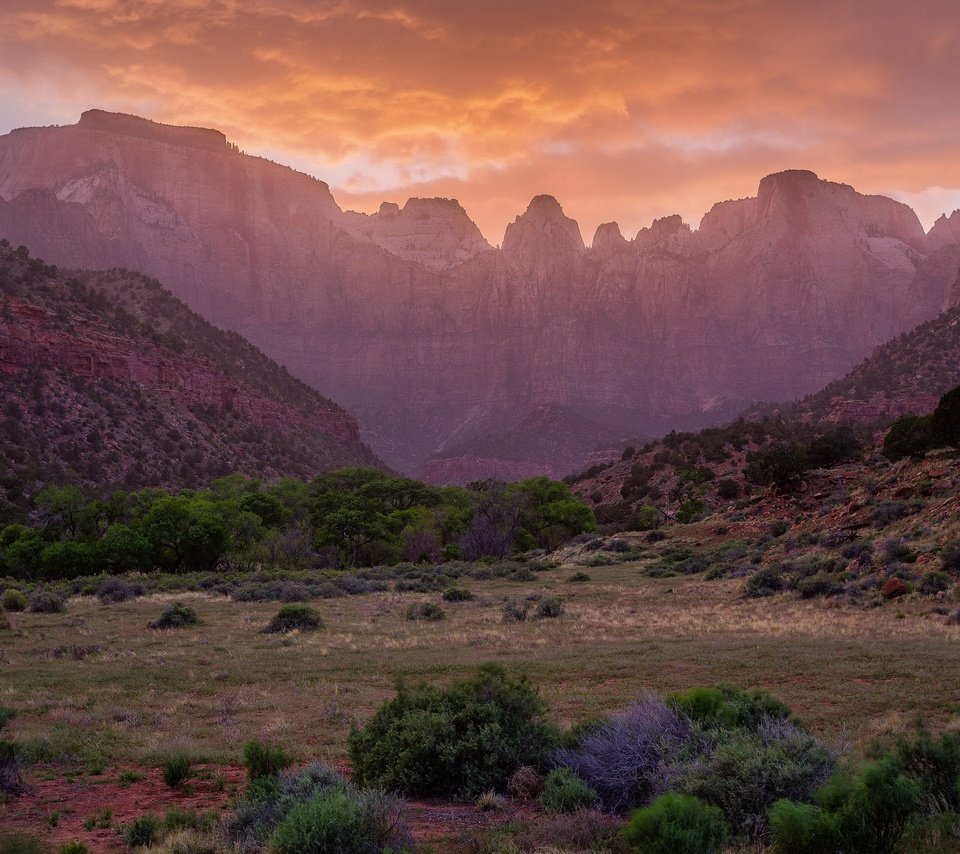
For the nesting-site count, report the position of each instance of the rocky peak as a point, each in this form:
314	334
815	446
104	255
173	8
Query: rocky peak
726	221
127	125
608	240
668	234
807	204
436	233
542	237
945	231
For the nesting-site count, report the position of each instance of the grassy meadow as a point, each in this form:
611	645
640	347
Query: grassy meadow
95	685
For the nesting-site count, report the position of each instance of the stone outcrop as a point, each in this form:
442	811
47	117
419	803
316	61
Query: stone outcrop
407	318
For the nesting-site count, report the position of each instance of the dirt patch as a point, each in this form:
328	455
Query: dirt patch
56	809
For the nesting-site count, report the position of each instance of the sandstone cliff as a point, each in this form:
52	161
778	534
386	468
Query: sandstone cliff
430	337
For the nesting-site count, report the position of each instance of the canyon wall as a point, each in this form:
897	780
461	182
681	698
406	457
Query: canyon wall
431	337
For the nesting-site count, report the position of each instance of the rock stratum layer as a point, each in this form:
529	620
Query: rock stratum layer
431	337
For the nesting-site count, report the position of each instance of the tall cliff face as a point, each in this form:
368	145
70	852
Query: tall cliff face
430	337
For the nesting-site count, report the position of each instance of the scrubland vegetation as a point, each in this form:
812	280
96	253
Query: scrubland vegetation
362	663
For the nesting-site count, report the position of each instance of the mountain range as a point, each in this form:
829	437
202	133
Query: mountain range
432	337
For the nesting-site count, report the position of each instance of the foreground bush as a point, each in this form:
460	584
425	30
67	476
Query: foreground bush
861	812
724	706
177	770
564	791
294	618
340	820
20	843
14	600
316	810
676	824
46	600
743	772
427	611
113	590
262	760
177	616
459	741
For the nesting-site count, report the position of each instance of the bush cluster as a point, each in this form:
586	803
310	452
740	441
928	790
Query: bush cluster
316	811
459	741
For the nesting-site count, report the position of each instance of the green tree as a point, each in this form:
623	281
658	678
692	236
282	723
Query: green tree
185	533
909	436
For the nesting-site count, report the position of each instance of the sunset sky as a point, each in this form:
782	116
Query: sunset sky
624	111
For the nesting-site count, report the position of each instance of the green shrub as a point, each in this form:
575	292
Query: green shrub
745	772
20	843
143	831
459	741
945	420
291	618
564	791
46	600
333	821
950	555
578	578
691	510
778	527
549	608
177	616
801	829
676	824
176	770
515	609
458	594
727	707
74	847
429	611
262	760
909	436
934	764
14	600
728	489
764	582
863	812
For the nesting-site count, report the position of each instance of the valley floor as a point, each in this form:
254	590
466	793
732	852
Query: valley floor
98	692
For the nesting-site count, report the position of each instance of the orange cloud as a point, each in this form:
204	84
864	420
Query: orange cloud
623	110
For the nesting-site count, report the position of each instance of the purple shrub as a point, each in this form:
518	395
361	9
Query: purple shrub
625	761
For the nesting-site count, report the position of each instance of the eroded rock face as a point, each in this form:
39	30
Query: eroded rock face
436	233
430	337
945	231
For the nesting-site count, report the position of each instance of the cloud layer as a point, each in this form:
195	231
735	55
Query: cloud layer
624	110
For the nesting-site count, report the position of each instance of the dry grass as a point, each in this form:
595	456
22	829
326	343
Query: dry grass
208	688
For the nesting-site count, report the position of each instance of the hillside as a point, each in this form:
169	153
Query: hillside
108	380
905	376
550	441
432	337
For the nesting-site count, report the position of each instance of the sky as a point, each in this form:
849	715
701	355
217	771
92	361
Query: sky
624	110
